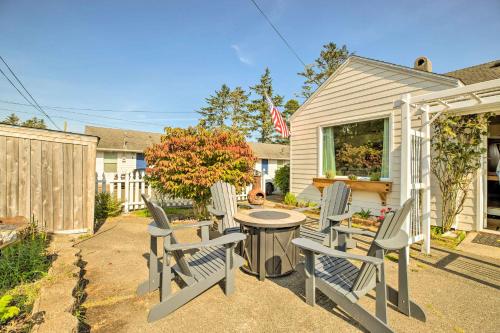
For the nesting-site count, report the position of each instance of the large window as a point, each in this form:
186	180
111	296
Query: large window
360	149
110	162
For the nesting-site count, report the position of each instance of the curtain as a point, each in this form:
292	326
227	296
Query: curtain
385	151
328	150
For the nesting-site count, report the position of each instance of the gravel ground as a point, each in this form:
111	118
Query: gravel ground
454	300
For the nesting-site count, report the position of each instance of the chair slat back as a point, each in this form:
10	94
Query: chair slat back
334	202
224	199
161	220
389	228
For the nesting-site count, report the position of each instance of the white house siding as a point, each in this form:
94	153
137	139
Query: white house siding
360	90
126	162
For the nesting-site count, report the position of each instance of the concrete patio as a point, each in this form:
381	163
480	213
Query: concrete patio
458	291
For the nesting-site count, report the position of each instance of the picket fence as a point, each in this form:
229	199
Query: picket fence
128	187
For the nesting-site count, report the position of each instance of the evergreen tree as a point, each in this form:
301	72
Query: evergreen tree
34	123
259	108
218	109
330	58
290	107
240	118
12	119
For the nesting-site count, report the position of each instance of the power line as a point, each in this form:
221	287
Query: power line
68	119
279	34
26	90
111	118
93	109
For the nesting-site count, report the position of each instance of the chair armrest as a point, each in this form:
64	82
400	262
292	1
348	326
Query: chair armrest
158	232
315	247
215	212
341	217
355	231
395	243
223	240
193	225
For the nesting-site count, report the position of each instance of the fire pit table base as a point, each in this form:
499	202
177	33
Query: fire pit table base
268	248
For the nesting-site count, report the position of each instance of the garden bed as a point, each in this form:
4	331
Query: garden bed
22	268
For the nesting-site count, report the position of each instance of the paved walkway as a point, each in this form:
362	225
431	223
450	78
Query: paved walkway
460	293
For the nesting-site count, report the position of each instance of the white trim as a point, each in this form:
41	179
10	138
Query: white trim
352	120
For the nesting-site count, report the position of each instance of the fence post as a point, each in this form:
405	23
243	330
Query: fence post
126	193
426	179
103	183
143	189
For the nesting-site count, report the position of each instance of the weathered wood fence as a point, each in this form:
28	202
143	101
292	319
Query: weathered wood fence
127	188
48	176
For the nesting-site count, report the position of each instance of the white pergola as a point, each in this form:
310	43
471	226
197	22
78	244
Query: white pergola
416	149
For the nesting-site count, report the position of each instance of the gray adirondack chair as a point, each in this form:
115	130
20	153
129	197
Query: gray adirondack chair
224	206
214	261
334	209
331	272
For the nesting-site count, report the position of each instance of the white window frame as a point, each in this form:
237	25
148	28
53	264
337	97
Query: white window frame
351	120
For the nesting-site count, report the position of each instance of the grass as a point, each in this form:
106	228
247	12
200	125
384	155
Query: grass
23	266
173	213
449	242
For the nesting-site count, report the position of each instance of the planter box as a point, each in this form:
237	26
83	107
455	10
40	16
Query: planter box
380	187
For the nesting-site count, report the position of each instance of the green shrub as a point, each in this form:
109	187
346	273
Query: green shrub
364	214
375	176
7	312
25	261
106	206
282	178
290	199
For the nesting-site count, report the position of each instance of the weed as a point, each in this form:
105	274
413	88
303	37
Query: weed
364	214
290	199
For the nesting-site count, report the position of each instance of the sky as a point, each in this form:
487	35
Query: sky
168	56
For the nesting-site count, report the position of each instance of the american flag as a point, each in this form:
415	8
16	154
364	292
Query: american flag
278	121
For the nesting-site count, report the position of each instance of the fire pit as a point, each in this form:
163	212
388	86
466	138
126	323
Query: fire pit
256	195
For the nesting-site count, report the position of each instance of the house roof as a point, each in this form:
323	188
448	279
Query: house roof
122	139
452	81
270	150
478	73
137	141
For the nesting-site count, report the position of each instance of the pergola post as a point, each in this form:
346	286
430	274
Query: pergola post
405	191
426	180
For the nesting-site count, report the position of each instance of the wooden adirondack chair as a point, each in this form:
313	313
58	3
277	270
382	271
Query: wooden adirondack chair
214	261
225	205
331	272
334	209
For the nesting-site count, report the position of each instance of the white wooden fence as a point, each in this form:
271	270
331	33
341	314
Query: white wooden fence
127	188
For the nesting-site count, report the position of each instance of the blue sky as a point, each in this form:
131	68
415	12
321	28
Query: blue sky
169	55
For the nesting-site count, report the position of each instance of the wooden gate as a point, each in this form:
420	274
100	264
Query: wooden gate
48	176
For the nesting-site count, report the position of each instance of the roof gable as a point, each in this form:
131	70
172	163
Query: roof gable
452	82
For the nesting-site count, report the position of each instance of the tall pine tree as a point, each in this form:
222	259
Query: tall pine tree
240	118
218	108
330	58
259	108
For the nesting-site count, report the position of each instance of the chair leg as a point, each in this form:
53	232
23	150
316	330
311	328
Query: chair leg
153	282
166	277
403	294
310	278
229	268
381	292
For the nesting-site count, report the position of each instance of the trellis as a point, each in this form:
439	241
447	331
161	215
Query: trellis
415	144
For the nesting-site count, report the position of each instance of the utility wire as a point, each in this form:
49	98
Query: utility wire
93	109
111	118
26	90
279	34
68	119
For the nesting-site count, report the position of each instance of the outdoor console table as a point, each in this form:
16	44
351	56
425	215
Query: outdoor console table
268	248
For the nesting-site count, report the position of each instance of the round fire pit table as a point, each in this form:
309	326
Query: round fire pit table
268	248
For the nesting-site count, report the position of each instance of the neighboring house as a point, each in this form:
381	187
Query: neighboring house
353	113
122	151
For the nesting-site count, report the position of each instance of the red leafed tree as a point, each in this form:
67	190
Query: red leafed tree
190	160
